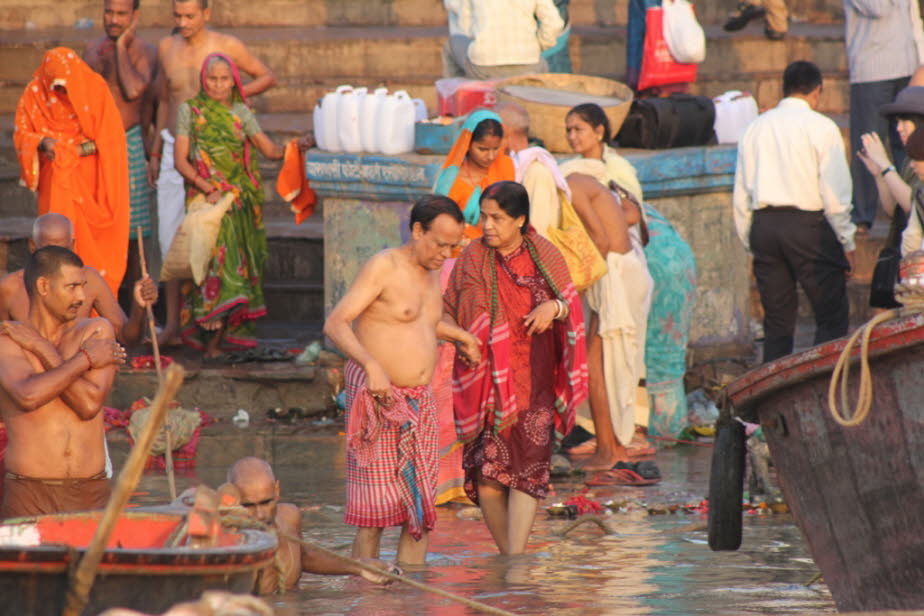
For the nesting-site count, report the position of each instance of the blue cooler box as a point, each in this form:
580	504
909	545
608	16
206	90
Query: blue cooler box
436	138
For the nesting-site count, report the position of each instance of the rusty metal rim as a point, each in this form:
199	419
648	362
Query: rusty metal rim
184	570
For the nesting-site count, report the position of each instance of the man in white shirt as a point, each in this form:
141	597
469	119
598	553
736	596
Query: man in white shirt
495	39
792	211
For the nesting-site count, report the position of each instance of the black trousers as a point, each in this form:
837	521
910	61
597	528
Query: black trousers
789	246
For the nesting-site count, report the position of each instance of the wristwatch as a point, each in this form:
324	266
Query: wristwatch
885	171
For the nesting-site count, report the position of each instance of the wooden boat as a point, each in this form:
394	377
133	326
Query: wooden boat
136	571
857	493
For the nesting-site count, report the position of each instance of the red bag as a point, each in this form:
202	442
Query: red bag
658	65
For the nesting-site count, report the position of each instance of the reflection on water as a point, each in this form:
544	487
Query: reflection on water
653	565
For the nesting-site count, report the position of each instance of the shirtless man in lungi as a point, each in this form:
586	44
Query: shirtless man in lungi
55	372
129	65
395	308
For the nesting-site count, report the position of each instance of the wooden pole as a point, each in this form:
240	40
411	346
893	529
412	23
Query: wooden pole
168	434
82	581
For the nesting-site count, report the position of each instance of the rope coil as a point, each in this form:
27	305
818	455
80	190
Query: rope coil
911	296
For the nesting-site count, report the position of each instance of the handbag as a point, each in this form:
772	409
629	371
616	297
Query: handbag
191	250
585	264
658	65
885	272
684	36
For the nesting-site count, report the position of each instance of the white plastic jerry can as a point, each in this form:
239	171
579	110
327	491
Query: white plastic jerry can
317	120
420	110
348	119
369	109
395	124
330	111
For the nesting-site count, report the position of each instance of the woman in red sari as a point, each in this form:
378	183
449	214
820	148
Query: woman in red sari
512	291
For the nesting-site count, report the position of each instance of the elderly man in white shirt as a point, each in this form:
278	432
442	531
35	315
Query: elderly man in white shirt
792	208
536	169
495	39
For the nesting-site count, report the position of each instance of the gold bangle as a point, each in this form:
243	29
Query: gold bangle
562	310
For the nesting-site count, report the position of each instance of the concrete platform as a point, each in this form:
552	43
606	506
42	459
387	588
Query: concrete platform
220	391
221	444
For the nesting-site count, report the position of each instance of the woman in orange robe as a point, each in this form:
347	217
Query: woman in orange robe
70	142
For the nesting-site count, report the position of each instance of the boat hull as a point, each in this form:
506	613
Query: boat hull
856	493
42	594
135	571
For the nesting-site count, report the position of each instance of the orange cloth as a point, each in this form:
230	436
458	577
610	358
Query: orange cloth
92	191
292	183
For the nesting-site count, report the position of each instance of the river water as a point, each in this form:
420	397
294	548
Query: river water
652	564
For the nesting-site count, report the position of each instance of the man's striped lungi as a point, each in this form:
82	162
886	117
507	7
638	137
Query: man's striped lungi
392	464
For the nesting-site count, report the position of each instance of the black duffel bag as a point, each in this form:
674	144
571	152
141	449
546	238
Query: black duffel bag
674	121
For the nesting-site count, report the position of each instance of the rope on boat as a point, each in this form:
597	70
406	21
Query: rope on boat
912	299
839	378
244	521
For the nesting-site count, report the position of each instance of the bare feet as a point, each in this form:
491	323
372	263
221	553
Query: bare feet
169	336
603	461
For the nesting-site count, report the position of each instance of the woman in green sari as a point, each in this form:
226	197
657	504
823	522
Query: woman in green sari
214	138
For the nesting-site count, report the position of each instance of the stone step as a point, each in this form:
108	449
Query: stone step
409	58
294	300
14	231
290	296
220	391
43	14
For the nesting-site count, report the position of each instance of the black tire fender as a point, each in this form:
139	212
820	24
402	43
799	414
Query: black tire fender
726	486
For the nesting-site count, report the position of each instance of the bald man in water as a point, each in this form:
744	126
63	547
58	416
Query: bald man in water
56	230
257	488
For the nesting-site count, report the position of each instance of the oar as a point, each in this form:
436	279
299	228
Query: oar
82	581
168	455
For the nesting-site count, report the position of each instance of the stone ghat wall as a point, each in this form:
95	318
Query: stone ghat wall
366	203
16	14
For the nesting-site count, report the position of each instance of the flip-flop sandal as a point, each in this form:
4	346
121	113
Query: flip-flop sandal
271	354
620	477
646	469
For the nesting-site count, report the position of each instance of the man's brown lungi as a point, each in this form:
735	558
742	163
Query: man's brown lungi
28	496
